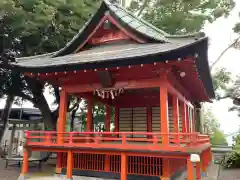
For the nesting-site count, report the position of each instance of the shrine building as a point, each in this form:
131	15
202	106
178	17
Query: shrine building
154	81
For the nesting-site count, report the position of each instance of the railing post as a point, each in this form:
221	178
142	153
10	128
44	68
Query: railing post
70	138
124	166
48	138
177	139
155	140
124	139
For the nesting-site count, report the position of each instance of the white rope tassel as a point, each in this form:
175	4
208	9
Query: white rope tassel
116	92
103	94
112	95
98	93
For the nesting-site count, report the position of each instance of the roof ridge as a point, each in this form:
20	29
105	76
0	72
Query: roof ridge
37	56
190	35
137	18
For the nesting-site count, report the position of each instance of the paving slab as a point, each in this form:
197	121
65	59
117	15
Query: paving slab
229	174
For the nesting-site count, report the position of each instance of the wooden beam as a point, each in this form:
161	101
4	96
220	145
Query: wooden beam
105	79
181	97
176	83
95	98
132	84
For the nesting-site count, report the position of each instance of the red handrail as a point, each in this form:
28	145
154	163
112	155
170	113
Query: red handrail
105	139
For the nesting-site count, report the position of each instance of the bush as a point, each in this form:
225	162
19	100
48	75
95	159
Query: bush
233	159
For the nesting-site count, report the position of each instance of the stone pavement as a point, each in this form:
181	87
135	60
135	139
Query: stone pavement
12	173
229	174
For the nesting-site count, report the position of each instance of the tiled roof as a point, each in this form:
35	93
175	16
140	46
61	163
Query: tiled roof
105	53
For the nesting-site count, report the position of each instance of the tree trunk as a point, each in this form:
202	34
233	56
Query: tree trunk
48	118
5	115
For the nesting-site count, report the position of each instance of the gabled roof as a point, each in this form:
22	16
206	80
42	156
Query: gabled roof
156	46
123	17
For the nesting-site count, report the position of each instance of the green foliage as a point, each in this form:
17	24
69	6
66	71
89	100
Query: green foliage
218	138
221	79
211	127
181	16
210	124
40	26
233	159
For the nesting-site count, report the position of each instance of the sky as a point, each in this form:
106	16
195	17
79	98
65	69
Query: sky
221	35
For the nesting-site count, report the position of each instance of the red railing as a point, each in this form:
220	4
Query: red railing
122	140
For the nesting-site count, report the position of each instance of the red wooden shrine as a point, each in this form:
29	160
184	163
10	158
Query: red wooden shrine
152	79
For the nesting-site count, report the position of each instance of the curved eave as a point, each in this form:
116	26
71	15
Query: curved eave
111	61
199	47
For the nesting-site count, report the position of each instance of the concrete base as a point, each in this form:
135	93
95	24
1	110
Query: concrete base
68	178
165	178
22	177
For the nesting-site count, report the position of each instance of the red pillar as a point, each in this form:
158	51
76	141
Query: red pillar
58	163
24	164
187	119
164	114
116	119
198	171
190	169
194	120
61	126
183	114
69	165
124	166
108	118
203	163
89	116
175	114
107	124
166	172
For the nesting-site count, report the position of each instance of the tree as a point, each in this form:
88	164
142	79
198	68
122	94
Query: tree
35	27
211	127
181	16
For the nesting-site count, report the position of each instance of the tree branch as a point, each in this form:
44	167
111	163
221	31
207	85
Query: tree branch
142	8
220	56
75	105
